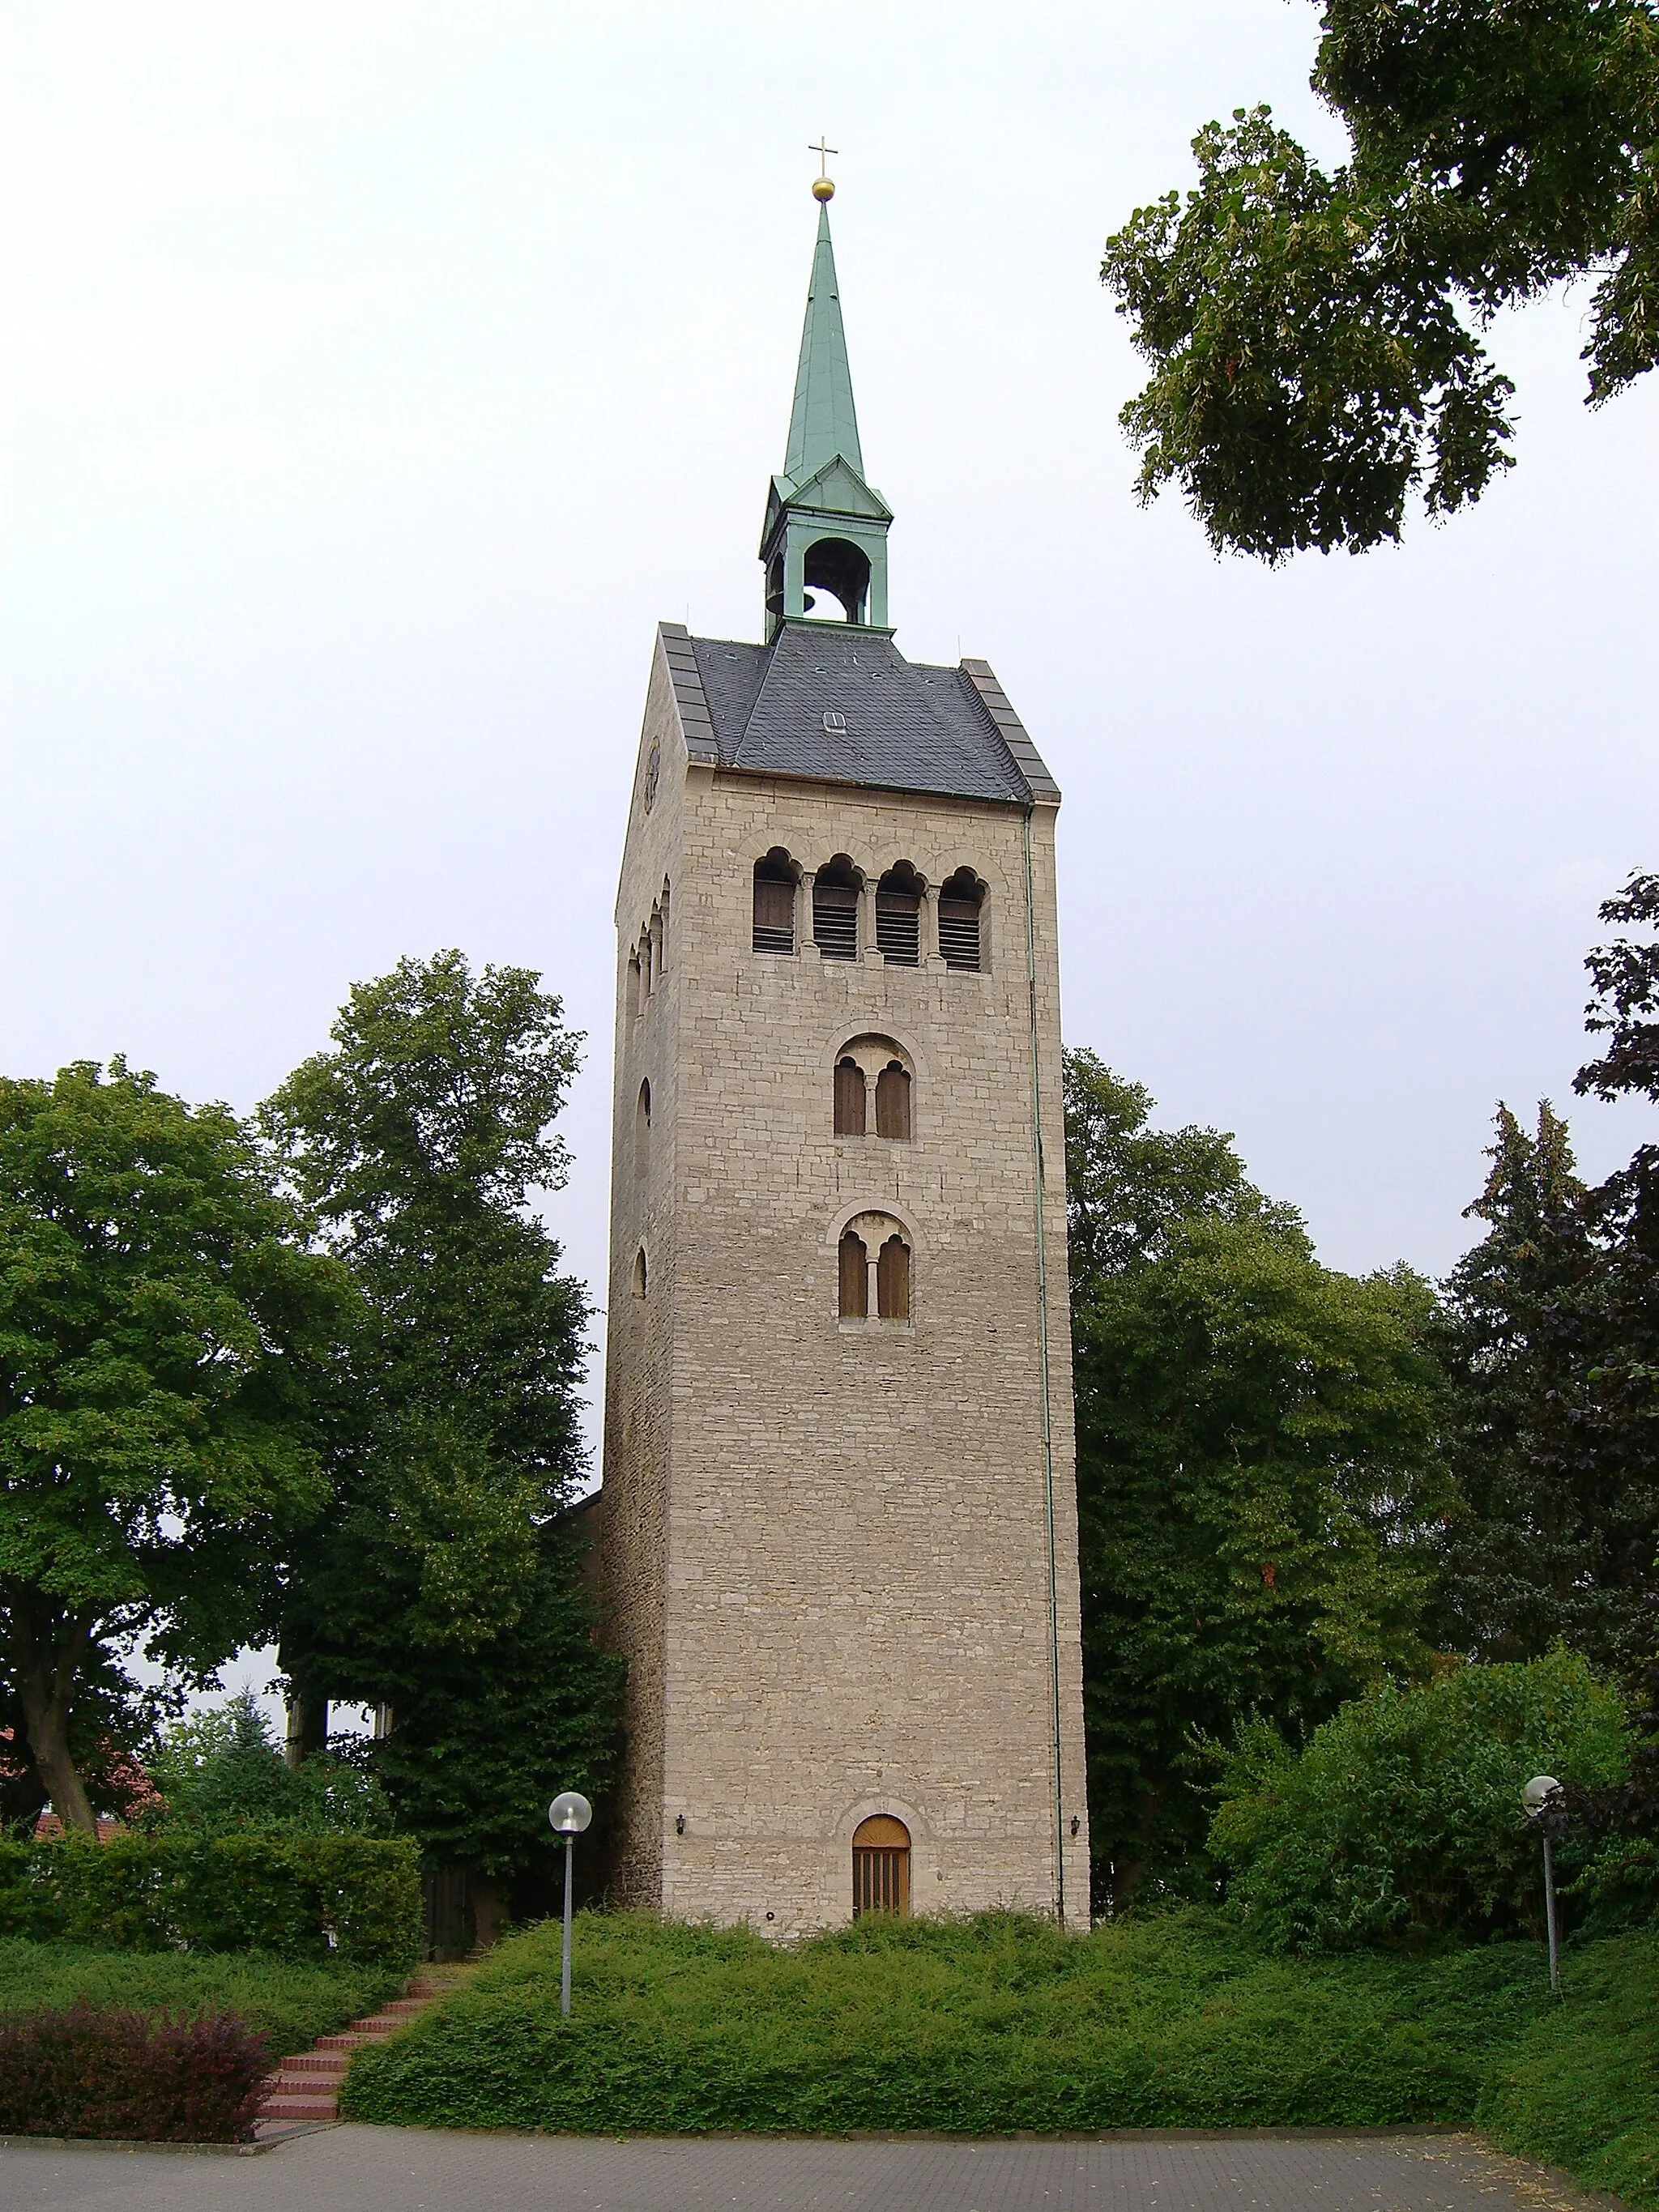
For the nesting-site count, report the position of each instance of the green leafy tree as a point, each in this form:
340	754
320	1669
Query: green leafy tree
447	1586
1402	1814
1315	338
1258	1466
163	1328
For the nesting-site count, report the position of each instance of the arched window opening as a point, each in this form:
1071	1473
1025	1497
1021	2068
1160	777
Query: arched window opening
881	1866
898	916
835	909
662	929
646	977
639	1273
852	1099
893	1280
636	988
893	1100
642	1130
840	568
959	903
775	903
854	1299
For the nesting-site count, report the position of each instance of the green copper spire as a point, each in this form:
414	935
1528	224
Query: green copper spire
823	422
824	541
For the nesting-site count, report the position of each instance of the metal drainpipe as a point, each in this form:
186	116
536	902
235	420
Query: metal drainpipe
1042	1333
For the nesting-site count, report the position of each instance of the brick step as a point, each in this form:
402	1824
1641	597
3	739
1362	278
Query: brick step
333	2063
320	2106
344	2042
380	2023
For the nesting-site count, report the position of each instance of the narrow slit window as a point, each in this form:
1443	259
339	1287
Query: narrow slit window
855	1302
639	1273
852	1099
893	1280
836	911
959	903
893	1100
642	1130
774	904
898	916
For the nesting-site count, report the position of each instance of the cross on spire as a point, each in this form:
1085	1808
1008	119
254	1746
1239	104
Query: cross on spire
824	152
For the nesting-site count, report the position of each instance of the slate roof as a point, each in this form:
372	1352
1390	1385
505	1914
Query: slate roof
844	706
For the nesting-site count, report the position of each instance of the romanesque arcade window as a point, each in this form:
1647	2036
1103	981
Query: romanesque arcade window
898	916
959	903
881	1866
835	909
893	1280
873	1274
854	1277
893	1100
775	877
872	1068
852	1099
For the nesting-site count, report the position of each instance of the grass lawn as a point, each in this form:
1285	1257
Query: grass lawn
293	2003
1002	2023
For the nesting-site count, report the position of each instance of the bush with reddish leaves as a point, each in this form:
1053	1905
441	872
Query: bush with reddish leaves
144	2076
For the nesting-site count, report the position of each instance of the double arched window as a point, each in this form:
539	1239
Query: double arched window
873	1270
872	1069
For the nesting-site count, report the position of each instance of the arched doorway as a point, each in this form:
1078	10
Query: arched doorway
881	1866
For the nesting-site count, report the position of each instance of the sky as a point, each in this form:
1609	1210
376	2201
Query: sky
379	375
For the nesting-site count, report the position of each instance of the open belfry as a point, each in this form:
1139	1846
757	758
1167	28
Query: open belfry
837	1526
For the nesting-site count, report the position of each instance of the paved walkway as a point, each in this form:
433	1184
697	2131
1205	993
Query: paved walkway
360	2169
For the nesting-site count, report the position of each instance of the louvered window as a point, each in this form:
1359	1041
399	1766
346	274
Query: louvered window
893	1101
898	917
775	905
959	903
852	1099
893	1280
835	918
855	1302
881	1866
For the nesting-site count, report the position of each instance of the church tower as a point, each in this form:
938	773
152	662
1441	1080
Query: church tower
837	1525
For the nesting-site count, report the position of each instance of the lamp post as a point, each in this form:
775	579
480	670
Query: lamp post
1539	1795
568	1813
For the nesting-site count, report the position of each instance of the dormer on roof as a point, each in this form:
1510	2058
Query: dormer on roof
825	534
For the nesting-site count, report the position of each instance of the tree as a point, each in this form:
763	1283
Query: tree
162	1331
447	1586
1313	337
1258	1465
220	1773
1522	1563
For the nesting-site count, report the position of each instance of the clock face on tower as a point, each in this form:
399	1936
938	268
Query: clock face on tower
653	770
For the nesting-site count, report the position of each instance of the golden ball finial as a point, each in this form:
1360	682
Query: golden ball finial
824	188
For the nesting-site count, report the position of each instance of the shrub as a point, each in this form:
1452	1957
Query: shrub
85	2072
280	1894
977	2026
1402	1816
290	2002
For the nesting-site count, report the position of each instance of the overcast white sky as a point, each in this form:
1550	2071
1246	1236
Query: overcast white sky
381	372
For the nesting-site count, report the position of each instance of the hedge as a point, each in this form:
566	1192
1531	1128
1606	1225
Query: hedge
87	2072
285	1894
